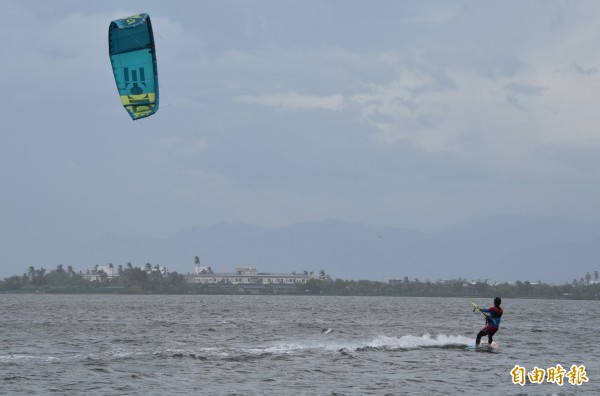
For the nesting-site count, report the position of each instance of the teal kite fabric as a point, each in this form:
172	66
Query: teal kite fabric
133	58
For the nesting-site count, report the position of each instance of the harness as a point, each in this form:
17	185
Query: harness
493	314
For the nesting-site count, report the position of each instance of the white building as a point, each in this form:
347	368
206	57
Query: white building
109	273
248	275
97	274
162	269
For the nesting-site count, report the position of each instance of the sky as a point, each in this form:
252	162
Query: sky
411	114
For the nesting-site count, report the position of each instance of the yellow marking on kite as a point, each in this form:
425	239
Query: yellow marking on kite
138	99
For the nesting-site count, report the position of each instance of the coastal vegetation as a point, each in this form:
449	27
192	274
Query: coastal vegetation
150	280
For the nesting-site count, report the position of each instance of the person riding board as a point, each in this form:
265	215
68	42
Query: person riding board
492	321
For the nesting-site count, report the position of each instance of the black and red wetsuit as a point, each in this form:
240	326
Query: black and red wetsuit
492	323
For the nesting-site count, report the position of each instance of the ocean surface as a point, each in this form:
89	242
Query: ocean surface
289	345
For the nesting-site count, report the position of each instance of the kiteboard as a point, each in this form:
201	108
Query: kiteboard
485	347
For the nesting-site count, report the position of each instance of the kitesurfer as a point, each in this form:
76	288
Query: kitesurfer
492	321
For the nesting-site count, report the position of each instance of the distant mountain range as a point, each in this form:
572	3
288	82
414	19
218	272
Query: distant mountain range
499	248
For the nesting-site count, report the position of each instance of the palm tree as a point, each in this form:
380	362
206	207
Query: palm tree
38	277
103	276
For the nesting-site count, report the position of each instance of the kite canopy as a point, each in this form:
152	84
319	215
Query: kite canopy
133	59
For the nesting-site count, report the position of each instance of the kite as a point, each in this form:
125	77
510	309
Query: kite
133	60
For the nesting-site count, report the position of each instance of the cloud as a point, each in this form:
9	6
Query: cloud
523	89
542	103
412	107
295	101
585	71
515	90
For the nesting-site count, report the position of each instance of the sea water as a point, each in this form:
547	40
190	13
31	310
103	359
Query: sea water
290	345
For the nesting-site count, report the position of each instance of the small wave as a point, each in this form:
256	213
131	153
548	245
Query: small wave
13	377
247	357
281	350
101	370
409	342
6	358
118	353
179	354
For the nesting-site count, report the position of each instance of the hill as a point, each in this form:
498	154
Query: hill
499	248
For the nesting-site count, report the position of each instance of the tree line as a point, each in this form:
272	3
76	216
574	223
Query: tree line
456	288
151	280
130	279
